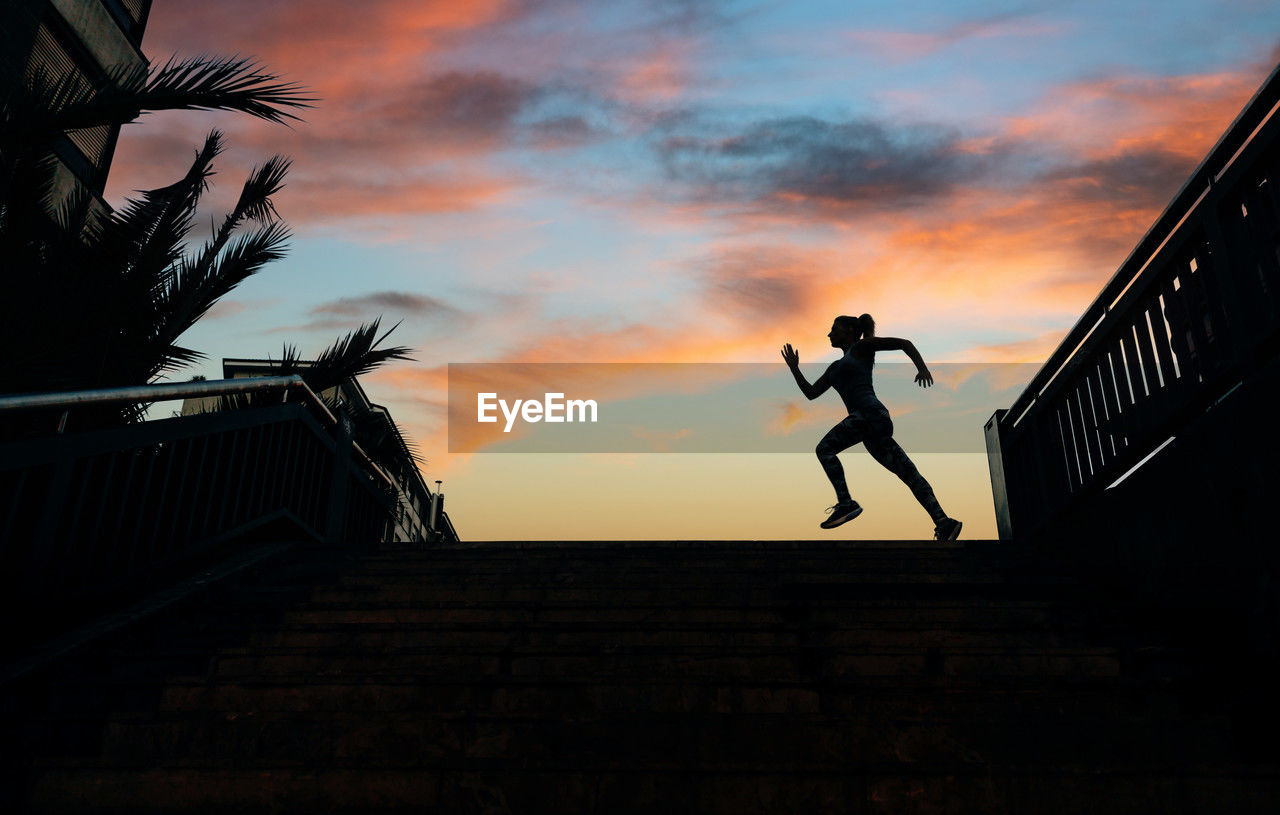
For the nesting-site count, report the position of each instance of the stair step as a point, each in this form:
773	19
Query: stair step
715	676
1095	662
544	638
649	740
534	697
1207	788
948	613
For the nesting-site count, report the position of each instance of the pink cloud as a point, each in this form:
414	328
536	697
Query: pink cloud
907	46
660	75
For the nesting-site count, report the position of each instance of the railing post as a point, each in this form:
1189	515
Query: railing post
337	512
433	515
999	484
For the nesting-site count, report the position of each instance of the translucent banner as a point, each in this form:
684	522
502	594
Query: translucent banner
709	407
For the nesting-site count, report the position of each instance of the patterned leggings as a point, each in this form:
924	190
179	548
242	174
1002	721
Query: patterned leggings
876	432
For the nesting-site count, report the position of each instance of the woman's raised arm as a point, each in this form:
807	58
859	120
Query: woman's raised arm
923	377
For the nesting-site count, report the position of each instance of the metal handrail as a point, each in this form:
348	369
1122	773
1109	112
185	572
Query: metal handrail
151	393
1223	154
67	400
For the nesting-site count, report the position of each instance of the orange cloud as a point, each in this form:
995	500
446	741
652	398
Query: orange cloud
661	75
1032	349
794	415
329	44
323	198
1179	114
384	111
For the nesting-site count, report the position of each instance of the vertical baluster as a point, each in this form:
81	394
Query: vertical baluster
270	433
1075	466
1088	424
271	457
69	564
276	484
1133	370
319	478
155	514
1259	244
261	439
217	492
1142	337
284	482
1200	322
298	444
231	482
188	484
1101	410
1269	269
1178	317
126	502
1160	337
143	508
200	492
304	476
183	476
96	533
261	472
248	471
1233	228
1106	378
1124	398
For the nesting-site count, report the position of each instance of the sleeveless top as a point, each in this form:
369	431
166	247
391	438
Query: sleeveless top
851	377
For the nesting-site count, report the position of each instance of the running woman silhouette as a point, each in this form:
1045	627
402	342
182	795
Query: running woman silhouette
868	420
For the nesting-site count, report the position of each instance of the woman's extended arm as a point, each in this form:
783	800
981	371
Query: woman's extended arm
896	344
792	358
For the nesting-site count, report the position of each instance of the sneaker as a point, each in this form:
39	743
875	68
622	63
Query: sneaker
947	530
841	513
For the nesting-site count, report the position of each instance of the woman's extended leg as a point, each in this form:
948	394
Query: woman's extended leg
891	455
839	438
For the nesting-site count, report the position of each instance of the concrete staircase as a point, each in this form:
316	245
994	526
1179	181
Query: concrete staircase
634	677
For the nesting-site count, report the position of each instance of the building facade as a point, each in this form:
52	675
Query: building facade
420	514
86	39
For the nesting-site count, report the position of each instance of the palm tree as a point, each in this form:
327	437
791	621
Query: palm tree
348	357
99	299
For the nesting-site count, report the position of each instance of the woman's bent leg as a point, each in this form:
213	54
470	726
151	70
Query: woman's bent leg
891	456
841	437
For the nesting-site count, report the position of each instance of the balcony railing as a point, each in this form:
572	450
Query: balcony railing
1190	319
86	514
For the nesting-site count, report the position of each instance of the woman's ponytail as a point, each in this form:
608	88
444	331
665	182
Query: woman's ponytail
867	326
864	325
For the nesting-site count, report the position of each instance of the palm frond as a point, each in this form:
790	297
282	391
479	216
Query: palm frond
196	83
193	289
146	235
171	358
264	182
410	446
122	283
254	203
353	355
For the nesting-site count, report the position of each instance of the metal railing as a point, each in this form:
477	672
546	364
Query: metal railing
83	514
1192	315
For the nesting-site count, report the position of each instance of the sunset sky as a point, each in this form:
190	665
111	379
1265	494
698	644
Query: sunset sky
688	181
